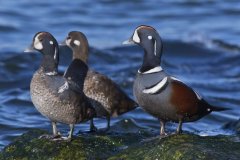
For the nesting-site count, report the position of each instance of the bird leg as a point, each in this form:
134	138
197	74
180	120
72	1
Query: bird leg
162	129
179	128
108	122
92	126
55	134
71	132
69	138
55	131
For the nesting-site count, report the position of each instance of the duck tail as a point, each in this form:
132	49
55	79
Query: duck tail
136	104
219	109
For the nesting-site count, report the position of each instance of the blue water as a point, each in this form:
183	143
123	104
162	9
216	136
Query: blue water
201	47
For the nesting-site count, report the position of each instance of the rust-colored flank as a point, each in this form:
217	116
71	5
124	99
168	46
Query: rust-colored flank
184	99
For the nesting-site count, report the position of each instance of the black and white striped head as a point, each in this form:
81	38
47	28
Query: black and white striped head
76	40
45	43
148	38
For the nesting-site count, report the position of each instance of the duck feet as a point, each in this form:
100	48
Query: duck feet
93	129
163	135
48	136
66	139
179	132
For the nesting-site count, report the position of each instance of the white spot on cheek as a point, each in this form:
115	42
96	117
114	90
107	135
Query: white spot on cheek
136	37
51	42
68	42
37	44
149	37
76	42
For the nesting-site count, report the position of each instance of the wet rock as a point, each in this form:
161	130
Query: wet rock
100	145
184	147
125	140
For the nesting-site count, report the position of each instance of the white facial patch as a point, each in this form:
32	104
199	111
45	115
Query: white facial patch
150	37
68	41
77	42
136	37
51	42
37	44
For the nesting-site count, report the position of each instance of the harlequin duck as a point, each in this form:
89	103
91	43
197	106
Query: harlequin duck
106	96
59	98
160	94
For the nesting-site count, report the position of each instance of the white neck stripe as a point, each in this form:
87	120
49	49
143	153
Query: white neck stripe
153	70
55	54
155	48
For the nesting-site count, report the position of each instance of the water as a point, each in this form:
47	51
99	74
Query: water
201	47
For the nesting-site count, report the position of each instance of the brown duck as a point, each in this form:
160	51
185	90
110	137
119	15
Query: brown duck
106	96
59	98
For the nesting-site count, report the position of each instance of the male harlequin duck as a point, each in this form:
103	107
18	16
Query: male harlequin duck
106	96
59	98
160	94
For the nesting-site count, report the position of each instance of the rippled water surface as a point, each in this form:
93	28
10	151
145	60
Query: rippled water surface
201	47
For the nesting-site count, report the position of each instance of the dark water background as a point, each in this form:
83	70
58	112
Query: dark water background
201	47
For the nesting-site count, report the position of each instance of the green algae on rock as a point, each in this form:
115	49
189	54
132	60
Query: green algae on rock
124	141
29	146
100	145
184	147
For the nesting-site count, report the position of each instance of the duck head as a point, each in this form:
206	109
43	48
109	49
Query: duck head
78	42
148	38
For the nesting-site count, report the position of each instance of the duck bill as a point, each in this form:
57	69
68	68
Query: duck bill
29	49
129	41
62	44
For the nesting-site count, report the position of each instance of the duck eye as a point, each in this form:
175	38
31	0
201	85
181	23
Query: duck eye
68	37
40	40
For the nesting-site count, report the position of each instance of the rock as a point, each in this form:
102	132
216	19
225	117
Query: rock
137	143
99	145
184	147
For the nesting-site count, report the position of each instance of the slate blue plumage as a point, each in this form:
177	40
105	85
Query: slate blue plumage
161	95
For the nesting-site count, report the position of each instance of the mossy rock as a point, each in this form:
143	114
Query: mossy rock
184	147
125	140
100	145
86	146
